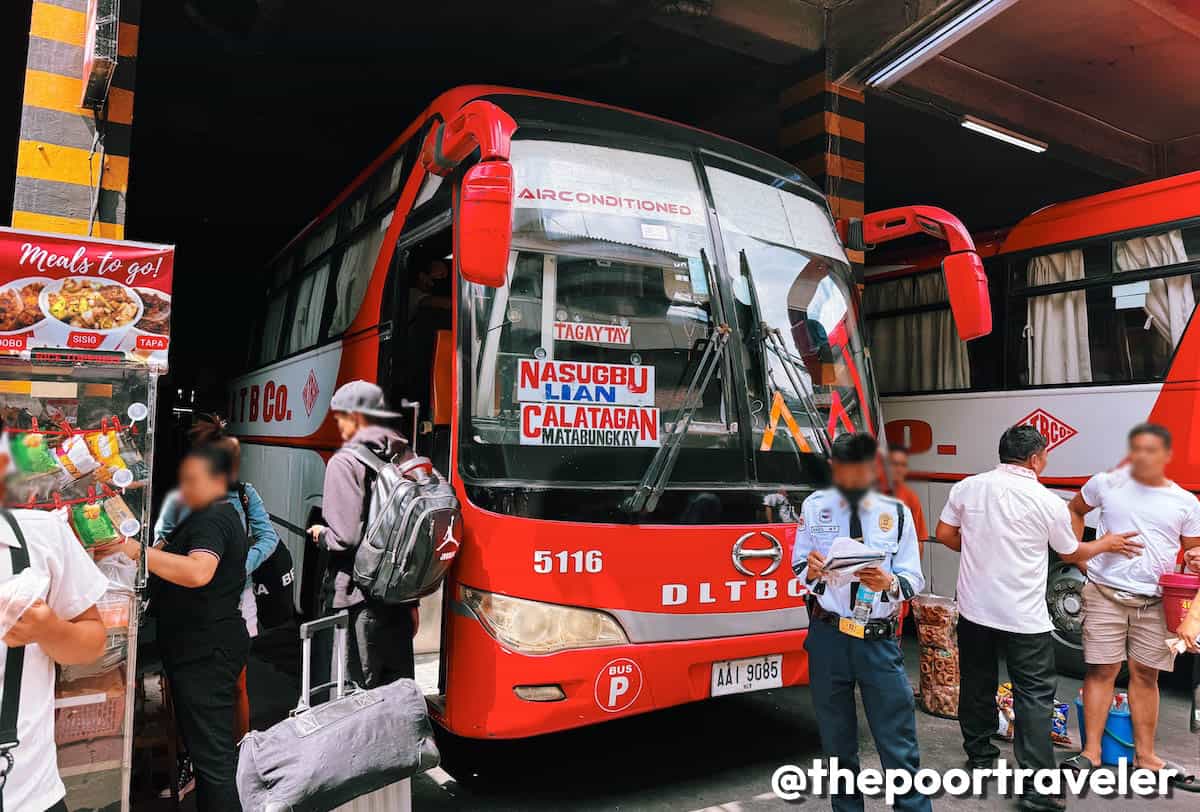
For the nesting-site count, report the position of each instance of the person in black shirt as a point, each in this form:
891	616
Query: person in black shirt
198	578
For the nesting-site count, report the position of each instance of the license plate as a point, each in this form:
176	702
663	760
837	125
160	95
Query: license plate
743	676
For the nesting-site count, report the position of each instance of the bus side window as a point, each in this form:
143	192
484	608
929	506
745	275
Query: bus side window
913	341
1112	311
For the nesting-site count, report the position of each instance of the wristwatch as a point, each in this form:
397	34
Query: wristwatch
894	587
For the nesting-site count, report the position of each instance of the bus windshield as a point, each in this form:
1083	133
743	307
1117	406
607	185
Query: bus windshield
577	367
791	278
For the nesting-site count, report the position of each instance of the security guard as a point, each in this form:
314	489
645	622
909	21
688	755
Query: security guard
842	652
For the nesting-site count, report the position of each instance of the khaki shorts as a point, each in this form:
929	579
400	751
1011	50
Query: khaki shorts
1113	633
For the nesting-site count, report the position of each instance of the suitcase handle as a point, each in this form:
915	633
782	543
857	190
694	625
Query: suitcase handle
340	623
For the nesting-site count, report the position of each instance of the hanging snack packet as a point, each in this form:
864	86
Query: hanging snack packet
134	461
93	526
121	516
105	446
31	454
76	458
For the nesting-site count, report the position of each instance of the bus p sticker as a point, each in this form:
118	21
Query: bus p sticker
618	685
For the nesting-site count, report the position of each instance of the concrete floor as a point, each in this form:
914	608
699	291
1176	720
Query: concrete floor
720	755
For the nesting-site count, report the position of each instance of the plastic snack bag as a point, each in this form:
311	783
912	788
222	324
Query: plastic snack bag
76	458
1006	726
30	453
105	445
130	454
937	620
1059	732
121	516
93	526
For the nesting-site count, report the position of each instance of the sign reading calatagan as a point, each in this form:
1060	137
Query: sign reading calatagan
78	293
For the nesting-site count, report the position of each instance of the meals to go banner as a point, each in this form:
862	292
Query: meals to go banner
570	424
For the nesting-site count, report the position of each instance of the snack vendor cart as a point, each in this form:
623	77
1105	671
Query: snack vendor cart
84	332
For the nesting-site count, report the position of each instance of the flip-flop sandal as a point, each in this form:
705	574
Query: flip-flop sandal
1077	763
1182	780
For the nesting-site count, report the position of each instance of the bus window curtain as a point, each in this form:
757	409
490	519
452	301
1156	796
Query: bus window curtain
1056	326
916	352
354	275
1170	301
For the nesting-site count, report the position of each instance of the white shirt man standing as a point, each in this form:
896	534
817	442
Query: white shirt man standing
1004	523
65	628
1122	616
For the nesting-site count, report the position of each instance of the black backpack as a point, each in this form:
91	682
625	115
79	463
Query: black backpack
273	580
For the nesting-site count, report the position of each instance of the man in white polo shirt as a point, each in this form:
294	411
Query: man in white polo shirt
1004	523
64	628
1122	612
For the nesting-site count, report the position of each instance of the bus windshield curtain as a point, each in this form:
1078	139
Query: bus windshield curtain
1169	302
915	352
1056	327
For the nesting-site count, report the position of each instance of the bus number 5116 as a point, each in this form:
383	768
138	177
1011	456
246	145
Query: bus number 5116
580	561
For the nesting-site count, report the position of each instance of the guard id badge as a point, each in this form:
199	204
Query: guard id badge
852	627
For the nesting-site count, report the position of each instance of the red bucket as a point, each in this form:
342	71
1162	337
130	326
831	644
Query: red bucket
1179	590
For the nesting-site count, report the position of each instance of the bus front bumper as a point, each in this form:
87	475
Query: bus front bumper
595	684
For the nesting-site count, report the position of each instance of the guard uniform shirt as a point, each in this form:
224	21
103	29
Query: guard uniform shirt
193	621
826	515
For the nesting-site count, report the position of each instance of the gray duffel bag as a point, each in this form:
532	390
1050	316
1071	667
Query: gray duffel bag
324	756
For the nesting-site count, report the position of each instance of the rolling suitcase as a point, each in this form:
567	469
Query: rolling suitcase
327	755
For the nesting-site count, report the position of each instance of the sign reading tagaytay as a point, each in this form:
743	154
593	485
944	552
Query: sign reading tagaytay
583	404
76	294
585	332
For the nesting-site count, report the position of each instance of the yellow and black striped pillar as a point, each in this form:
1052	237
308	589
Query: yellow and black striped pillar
68	182
823	132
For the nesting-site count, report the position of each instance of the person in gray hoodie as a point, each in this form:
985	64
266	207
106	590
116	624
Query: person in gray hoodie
381	636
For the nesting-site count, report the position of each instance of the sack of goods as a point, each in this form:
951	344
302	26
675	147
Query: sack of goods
411	522
937	622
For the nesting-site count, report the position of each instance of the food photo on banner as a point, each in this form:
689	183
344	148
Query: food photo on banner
68	293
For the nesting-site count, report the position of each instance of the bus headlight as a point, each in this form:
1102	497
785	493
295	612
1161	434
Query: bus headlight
533	627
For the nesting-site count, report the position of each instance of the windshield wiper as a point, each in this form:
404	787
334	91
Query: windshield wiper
771	338
645	498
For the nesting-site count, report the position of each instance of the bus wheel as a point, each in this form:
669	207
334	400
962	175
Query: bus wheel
1064	598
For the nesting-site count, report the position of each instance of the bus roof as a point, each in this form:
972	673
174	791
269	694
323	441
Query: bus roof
451	100
1140	206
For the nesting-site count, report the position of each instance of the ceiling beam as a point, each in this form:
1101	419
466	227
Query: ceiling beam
776	31
862	34
1181	155
1077	137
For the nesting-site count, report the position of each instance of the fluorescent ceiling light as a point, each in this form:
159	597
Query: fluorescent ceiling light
942	37
1003	134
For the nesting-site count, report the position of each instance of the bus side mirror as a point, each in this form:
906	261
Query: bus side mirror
440	398
484	231
967	285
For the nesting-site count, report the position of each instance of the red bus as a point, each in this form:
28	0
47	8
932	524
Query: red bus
1094	298
628	343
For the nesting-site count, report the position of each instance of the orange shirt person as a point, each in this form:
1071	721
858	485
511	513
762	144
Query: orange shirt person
898	465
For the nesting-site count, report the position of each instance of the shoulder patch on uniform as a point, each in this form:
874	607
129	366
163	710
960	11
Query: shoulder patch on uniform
886	522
